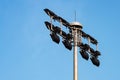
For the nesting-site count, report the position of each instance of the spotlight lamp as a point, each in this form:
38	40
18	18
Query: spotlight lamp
95	61
49	25
67	44
96	53
63	34
69	36
86	47
81	45
57	29
55	37
84	54
92	51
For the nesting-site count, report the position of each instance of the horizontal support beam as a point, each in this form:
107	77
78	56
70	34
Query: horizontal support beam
57	18
87	36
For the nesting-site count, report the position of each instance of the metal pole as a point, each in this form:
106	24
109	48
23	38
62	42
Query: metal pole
75	61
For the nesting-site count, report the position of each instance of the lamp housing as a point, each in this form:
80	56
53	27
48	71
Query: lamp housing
55	37
95	61
67	44
84	54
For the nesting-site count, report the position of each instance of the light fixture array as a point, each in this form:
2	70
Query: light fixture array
67	38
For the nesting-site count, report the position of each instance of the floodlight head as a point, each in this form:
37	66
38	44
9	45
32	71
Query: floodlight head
56	29
96	54
92	50
67	44
69	36
55	37
49	25
81	45
86	47
95	61
76	25
64	34
84	54
50	13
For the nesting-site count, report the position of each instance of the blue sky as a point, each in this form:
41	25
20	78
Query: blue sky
28	53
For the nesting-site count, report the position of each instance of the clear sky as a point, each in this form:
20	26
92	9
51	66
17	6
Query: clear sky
28	53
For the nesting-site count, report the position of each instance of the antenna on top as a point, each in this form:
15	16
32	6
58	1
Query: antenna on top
75	15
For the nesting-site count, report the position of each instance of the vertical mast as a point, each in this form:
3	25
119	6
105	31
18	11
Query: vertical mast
75	60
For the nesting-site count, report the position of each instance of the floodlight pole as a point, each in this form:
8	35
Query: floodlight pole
75	58
75	29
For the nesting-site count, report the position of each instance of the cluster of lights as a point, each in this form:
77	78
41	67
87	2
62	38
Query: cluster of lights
67	38
67	41
85	49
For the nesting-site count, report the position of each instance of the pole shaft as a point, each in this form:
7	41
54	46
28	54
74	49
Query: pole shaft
75	61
